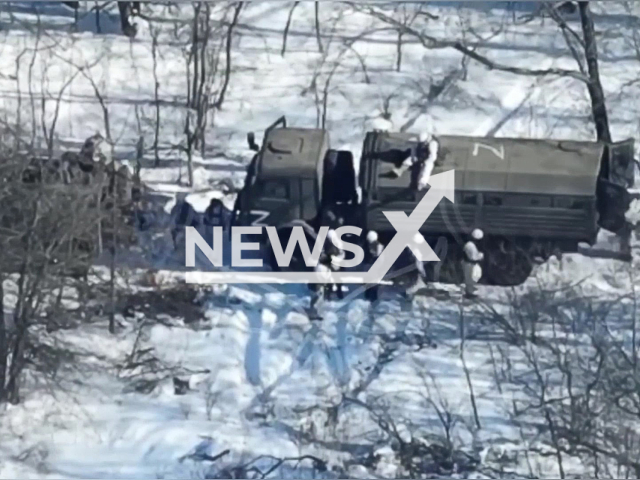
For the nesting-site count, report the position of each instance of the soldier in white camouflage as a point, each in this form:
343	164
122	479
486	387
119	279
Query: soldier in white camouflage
471	268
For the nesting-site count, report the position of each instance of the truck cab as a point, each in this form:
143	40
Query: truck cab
284	179
283	186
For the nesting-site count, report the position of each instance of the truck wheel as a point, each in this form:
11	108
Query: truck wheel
507	264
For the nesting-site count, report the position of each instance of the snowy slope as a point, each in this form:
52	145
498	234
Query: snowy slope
263	380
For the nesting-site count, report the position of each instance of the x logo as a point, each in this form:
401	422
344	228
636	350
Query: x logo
442	185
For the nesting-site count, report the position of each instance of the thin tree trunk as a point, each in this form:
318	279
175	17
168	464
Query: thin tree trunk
21	315
100	218
227	71
4	350
594	86
399	52
112	283
98	28
190	164
285	34
190	139
17	363
202	101
156	93
194	48
30	86
467	375
317	11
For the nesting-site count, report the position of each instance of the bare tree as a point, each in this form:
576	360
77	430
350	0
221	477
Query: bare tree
316	6
573	358
406	13
204	48
321	93
49	130
590	76
42	246
228	44
285	33
155	32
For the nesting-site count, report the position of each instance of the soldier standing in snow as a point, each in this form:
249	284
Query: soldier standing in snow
427	154
145	215
409	258
90	148
372	252
182	215
120	185
334	254
215	214
471	263
418	273
318	291
429	163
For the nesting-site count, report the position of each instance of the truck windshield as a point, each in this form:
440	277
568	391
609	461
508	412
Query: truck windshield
274	189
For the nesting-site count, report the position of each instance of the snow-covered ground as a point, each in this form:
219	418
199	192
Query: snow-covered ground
262	379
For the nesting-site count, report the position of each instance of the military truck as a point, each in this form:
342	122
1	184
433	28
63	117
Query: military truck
290	181
532	198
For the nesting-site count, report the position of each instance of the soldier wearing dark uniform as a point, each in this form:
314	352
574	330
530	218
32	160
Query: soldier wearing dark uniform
182	215
214	215
145	216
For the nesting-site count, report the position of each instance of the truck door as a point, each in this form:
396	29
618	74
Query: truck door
621	164
308	199
616	176
268	202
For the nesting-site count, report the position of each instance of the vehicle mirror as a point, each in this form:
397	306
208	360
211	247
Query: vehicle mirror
251	140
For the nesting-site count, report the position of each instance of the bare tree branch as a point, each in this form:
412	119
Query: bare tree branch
227	73
432	43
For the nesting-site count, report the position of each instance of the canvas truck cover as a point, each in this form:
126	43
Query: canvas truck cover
507	164
294	152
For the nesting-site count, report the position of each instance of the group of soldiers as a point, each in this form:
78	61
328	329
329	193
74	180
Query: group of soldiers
184	215
333	252
91	166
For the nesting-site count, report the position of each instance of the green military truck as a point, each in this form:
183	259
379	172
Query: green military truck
531	198
291	180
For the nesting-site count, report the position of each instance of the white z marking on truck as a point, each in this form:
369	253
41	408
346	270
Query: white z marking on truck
498	153
261	214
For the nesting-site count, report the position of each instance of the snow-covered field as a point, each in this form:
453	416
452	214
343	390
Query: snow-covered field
263	380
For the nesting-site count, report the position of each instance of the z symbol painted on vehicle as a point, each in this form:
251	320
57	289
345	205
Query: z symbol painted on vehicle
261	215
